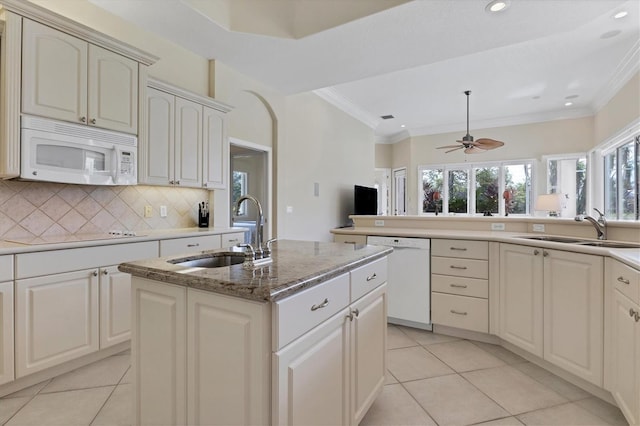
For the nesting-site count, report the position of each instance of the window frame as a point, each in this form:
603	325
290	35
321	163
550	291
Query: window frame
244	180
471	185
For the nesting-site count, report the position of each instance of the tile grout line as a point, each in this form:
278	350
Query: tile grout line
103	404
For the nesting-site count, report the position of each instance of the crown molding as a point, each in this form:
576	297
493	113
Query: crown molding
626	69
330	95
62	23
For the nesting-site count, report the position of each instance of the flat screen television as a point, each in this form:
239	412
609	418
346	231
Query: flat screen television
365	200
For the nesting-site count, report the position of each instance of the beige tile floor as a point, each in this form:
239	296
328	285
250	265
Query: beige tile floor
433	380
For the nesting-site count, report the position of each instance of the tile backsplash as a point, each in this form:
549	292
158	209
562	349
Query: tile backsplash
41	209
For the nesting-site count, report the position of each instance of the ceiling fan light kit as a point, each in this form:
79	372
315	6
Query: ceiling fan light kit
470	146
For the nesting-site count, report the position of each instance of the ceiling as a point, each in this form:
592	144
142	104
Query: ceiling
414	59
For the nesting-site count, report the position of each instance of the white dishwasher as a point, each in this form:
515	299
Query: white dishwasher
408	280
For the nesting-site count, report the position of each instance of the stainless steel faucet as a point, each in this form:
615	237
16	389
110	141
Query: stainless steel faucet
258	238
600	224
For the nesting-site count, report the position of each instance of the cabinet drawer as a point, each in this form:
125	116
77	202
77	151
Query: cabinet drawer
189	244
625	279
368	277
350	239
468	313
460	285
460	248
230	240
470	268
6	268
299	313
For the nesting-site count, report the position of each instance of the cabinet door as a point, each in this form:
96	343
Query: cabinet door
625	348
573	313
368	351
54	73
521	297
159	358
156	151
6	332
188	148
56	319
215	149
113	91
311	376
115	306
228	360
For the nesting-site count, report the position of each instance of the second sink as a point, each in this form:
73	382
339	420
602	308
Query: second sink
211	260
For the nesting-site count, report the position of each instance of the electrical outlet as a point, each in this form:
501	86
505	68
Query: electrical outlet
379	223
289	209
497	226
538	227
163	211
148	211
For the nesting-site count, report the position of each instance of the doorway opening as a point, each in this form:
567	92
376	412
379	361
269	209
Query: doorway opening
400	191
250	170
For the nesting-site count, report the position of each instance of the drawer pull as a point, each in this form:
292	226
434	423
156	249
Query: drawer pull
235	240
458	248
320	306
193	245
632	312
622	280
457	312
458	285
457	267
372	277
349	242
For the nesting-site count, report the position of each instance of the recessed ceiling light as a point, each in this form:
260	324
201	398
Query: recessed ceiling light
620	14
403	126
568	103
497	6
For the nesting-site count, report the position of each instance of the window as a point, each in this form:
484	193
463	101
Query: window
476	188
567	174
621	184
239	189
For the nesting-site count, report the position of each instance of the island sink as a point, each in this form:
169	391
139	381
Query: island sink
210	260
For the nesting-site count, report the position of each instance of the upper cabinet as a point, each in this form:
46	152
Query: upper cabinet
183	142
66	78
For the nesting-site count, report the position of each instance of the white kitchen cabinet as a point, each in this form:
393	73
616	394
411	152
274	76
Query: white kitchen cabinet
228	387
521	297
158	359
574	313
350	239
56	319
232	239
623	326
188	144
66	78
215	152
184	143
189	245
6	319
115	306
551	304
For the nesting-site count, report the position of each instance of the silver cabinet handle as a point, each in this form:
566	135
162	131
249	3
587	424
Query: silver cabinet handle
632	312
177	182
622	280
356	312
457	267
320	306
545	253
171	182
193	245
235	240
453	311
458	285
83	119
372	277
204	184
95	273
458	248
105	272
536	252
92	121
637	317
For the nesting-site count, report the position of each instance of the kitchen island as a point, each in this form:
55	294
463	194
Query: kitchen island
299	341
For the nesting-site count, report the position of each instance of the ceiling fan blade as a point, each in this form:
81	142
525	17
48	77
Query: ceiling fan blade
485	143
449	146
474	150
454	149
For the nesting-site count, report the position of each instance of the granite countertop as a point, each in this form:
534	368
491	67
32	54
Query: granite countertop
296	265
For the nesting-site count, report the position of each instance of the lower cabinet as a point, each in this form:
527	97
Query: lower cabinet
115	306
6	332
551	304
56	319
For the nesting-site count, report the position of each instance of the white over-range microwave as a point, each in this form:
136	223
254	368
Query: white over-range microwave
56	151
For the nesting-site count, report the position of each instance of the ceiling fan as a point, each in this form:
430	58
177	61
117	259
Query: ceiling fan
470	146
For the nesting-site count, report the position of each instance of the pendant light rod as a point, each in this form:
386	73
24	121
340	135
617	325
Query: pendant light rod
467	137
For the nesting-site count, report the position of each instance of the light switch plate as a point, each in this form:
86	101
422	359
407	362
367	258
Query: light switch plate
538	227
379	223
497	226
148	211
163	211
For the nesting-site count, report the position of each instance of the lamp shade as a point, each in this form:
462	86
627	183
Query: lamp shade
549	202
